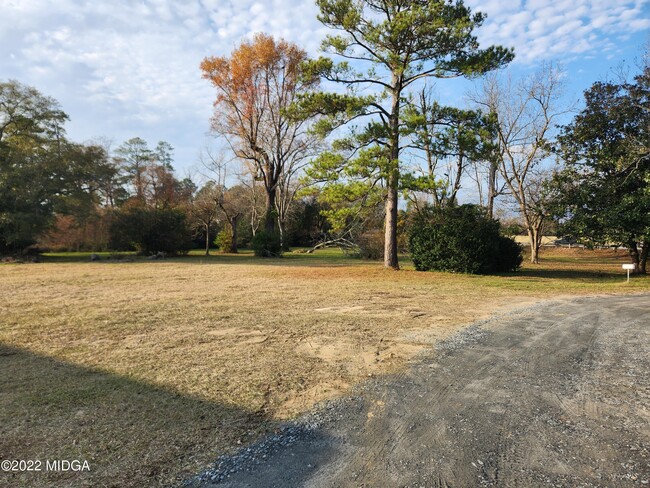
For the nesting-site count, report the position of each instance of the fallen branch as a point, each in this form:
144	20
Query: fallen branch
340	243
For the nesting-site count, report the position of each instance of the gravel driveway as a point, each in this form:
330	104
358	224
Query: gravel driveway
554	395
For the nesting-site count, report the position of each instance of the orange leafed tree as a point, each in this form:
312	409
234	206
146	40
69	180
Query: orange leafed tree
255	85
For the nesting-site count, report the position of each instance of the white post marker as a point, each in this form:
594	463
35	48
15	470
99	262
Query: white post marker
629	267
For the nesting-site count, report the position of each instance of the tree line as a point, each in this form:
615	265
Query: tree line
71	196
309	166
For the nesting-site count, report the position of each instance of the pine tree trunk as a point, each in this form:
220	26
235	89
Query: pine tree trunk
390	236
392	199
492	189
138	183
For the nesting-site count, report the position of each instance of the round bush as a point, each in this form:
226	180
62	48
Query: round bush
509	257
223	241
267	244
149	231
461	239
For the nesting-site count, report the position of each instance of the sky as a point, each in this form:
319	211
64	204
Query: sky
122	69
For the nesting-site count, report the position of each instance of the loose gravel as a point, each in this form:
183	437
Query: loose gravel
555	394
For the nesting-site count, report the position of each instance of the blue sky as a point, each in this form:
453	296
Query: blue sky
122	68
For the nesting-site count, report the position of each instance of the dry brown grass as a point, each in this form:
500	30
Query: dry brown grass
149	370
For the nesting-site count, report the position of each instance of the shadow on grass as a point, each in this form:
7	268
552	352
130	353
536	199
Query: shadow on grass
131	433
578	268
246	257
554	273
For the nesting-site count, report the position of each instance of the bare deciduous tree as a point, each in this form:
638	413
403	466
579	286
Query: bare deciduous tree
255	87
524	114
205	211
231	202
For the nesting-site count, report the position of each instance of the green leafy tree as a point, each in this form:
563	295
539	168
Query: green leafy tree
399	42
31	126
41	172
602	195
88	174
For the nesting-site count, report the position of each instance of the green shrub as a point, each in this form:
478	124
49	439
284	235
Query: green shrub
509	257
149	231
461	239
223	241
267	244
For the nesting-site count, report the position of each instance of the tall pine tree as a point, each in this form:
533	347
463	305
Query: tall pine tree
388	46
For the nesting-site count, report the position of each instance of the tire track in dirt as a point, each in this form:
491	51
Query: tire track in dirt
556	394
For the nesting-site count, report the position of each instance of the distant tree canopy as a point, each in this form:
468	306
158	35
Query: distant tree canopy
602	195
52	189
40	170
276	121
149	174
156	215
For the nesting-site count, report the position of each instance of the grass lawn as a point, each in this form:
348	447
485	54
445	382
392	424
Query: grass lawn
151	369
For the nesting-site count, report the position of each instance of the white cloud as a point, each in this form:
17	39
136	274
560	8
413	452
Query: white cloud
133	67
555	29
124	68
